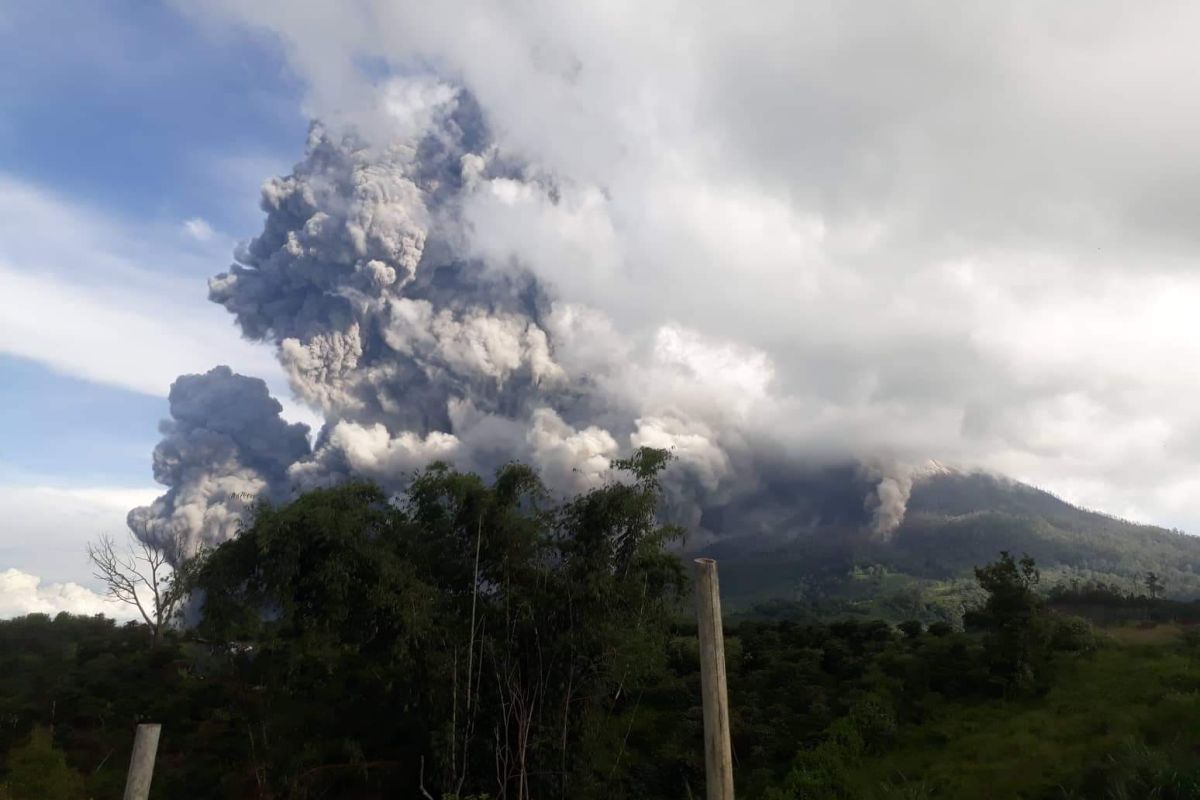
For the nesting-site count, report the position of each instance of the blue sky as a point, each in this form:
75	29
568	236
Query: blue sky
130	106
50	427
132	145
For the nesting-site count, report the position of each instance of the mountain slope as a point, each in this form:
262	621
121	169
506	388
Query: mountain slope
955	522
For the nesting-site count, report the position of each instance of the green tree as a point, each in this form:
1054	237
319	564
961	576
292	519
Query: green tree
1018	634
1154	585
468	640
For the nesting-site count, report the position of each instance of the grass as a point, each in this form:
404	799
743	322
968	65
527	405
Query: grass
1145	635
1139	688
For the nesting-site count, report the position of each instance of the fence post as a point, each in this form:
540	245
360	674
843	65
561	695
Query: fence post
718	760
141	762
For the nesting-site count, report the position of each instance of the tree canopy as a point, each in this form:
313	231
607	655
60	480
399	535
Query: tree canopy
484	639
483	630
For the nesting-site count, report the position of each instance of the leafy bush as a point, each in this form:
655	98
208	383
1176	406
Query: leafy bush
874	719
1135	771
1072	635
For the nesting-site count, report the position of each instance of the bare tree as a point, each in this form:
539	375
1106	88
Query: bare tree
140	576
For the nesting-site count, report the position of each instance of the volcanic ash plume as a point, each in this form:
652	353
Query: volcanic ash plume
360	280
888	502
415	349
411	350
224	447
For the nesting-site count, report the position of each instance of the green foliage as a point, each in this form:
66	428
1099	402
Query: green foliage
1136	770
355	645
1118	724
94	681
471	636
940	629
474	640
954	523
1018	632
1154	585
38	771
1072	635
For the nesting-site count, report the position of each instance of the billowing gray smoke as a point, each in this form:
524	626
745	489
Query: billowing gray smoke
893	485
414	349
224	446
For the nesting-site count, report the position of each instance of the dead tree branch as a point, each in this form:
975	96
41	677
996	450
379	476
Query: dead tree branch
140	576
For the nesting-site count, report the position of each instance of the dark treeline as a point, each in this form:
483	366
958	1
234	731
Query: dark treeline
1107	603
482	640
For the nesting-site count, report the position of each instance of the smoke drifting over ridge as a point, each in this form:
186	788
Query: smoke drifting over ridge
415	347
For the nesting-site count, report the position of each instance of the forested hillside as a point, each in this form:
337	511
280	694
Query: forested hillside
955	522
1044	709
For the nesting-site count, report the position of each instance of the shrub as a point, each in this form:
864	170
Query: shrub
1072	635
875	721
1137	771
39	771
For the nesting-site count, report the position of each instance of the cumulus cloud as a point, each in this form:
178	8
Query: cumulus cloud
46	527
116	319
22	593
806	247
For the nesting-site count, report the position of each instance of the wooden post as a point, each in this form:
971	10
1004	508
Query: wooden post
141	762
718	759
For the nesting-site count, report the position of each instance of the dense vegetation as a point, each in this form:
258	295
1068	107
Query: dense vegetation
482	640
955	522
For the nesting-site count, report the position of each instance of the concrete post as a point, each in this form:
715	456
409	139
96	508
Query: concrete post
141	763
718	757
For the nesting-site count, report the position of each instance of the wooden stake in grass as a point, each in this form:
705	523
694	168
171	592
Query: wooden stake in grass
141	762
718	758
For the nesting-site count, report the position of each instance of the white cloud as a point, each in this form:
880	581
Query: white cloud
91	297
45	528
199	229
126	337
959	232
22	593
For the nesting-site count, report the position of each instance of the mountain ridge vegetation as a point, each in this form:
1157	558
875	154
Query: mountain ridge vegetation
955	521
481	640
